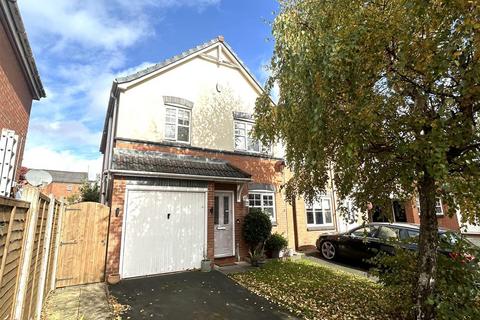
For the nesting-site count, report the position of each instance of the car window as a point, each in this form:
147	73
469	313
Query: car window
387	233
368	231
408	234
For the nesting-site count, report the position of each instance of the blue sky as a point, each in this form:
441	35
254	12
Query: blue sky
80	46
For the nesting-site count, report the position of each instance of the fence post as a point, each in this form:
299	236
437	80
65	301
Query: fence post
31	195
45	254
58	237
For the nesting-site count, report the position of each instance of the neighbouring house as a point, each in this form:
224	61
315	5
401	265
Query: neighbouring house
19	84
65	183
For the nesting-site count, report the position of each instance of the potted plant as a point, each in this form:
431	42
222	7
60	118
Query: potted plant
275	244
256	230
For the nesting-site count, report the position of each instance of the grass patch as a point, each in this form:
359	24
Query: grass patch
312	291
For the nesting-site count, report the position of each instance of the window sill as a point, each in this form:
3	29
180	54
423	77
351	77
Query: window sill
320	228
274	224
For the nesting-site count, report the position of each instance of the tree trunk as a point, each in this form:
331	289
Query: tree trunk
428	244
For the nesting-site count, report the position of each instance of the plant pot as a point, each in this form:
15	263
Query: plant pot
113	278
276	254
206	266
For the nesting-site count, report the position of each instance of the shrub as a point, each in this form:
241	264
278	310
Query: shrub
256	228
457	290
276	242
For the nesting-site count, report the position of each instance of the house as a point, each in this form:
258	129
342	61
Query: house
19	84
180	169
65	183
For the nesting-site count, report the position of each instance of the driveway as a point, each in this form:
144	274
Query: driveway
192	295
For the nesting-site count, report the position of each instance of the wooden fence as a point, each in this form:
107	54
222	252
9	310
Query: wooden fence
29	240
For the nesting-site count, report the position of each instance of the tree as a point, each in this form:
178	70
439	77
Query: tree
387	95
90	191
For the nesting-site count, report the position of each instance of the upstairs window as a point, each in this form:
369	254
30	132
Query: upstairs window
438	206
177	124
244	140
320	213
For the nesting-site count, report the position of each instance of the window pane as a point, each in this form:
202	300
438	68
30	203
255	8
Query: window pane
268	200
269	211
438	206
318	216
215	211
328	216
253	145
239	128
255	200
251	200
171	114
183	133
183	117
326	203
310	216
170	131
226	210
240	142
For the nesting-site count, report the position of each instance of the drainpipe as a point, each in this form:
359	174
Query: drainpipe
334	203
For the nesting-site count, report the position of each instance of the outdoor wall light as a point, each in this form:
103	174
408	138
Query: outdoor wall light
117	212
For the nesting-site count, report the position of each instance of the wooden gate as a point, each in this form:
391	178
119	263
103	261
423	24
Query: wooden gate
83	244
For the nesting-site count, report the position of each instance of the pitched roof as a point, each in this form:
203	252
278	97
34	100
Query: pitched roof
158	162
12	21
183	55
68	176
160	65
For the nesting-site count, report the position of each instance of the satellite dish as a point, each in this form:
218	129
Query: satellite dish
38	178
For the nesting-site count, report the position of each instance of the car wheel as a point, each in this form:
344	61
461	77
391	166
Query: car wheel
328	250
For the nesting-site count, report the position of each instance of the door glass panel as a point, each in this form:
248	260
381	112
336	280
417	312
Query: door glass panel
226	210
215	211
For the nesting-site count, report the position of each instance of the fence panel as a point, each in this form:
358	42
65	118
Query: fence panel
13	215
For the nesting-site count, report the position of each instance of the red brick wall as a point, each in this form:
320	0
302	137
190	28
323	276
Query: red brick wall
15	95
261	169
60	189
444	221
115	227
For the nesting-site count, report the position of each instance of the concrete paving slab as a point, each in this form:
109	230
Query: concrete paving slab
86	302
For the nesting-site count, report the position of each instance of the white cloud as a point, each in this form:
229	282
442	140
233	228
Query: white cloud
45	158
80	48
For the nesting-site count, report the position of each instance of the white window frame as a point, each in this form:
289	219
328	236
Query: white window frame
177	109
319	205
248	125
262	205
438	204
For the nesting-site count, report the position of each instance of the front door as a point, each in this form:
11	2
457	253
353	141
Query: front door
223	221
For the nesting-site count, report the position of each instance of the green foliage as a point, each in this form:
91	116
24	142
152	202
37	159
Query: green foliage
382	92
457	290
90	191
313	291
256	228
386	95
276	242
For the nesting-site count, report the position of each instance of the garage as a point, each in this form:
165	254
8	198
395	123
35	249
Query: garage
164	230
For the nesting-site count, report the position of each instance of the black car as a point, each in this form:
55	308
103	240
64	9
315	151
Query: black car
366	241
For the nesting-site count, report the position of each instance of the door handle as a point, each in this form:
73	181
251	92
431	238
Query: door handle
168	216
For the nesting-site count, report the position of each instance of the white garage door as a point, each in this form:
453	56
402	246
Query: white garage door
164	231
